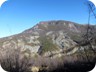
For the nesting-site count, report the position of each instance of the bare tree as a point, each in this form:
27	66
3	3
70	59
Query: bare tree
15	61
89	35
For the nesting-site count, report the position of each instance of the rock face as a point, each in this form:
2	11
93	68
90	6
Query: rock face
47	38
62	40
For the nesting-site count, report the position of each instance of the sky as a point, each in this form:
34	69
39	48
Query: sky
19	15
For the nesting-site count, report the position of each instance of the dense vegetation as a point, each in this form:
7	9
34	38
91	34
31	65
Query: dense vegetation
47	45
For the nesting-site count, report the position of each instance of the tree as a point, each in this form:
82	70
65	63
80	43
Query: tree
90	34
15	61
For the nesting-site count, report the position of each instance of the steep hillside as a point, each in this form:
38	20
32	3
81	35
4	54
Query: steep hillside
48	38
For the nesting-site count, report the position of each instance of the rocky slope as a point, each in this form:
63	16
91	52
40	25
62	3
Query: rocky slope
48	39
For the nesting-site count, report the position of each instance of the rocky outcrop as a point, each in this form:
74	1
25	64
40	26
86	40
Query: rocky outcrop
51	38
62	40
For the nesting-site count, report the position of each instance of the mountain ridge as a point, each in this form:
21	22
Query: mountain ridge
48	37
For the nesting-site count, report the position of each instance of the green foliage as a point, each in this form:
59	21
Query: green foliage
47	45
1	43
75	36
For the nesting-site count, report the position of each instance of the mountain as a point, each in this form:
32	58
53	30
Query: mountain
49	39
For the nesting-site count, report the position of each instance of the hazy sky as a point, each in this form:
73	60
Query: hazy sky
19	15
